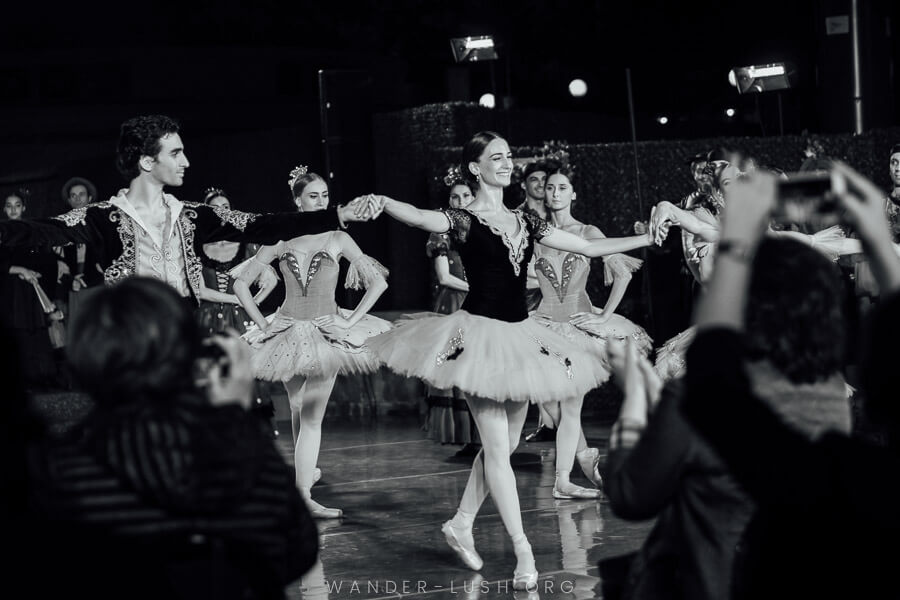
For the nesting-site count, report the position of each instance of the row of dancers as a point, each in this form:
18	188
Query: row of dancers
496	353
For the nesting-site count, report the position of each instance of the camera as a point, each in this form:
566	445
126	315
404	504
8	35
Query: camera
210	354
809	199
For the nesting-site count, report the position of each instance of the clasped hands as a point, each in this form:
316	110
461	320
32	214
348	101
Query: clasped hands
366	208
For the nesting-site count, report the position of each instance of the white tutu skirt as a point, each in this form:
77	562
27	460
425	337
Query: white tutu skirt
292	347
670	356
593	339
522	362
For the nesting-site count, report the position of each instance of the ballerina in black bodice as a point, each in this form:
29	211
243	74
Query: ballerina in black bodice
489	348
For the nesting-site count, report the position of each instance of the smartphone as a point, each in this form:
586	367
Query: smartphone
809	199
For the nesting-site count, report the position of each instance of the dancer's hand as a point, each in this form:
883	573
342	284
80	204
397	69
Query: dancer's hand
589	320
641	227
338	321
25	274
230	379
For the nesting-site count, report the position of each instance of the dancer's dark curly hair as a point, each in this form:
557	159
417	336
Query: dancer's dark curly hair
139	137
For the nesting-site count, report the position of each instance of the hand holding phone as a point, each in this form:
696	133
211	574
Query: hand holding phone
809	199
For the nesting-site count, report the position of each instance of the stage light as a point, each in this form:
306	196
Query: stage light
473	48
578	88
761	78
662	120
729	112
487	100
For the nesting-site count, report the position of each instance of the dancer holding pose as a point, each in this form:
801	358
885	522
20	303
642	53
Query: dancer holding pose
310	340
489	348
566	309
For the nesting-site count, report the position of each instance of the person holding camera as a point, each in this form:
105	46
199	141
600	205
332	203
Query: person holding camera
826	522
175	481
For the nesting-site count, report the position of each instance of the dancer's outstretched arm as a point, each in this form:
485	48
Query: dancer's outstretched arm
364	271
430	220
242	283
569	242
698	221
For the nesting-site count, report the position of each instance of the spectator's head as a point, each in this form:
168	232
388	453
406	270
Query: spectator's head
486	160
795	317
216	197
78	192
534	178
309	190
15	204
134	341
461	195
559	193
151	145
894	165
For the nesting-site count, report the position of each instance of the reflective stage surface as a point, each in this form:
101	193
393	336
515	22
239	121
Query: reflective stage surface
396	488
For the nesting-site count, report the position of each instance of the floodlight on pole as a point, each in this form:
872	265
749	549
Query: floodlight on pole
761	78
473	48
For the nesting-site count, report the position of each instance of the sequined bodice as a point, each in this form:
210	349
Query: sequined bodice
309	292
562	277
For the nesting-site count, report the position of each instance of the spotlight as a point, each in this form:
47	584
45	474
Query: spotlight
762	78
473	48
729	112
487	100
662	120
578	88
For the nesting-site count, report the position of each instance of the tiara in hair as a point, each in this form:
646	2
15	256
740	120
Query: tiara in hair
453	176
212	192
297	173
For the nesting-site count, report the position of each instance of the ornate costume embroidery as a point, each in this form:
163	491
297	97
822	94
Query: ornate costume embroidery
294	266
235	218
76	216
460	223
538	226
560	285
126	264
192	264
563	360
515	251
454	348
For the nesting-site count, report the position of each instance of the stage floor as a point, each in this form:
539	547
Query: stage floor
396	488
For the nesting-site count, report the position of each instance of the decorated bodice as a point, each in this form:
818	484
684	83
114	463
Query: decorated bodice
495	262
562	277
215	272
309	282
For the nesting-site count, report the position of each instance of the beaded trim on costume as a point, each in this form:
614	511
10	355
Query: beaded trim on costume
515	253
454	348
560	285
235	218
563	360
294	266
126	263
192	264
76	216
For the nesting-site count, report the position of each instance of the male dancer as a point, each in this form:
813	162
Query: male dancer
145	231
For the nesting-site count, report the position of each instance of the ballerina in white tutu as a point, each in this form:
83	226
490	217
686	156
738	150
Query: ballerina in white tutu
310	340
566	309
489	348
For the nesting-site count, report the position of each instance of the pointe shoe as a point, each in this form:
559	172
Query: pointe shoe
589	461
525	581
575	492
468	555
541	434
